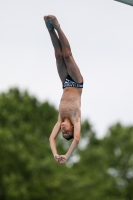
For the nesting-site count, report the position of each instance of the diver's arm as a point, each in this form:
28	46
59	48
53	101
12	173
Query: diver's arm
77	127
53	136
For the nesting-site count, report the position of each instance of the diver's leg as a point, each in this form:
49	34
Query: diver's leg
61	66
72	67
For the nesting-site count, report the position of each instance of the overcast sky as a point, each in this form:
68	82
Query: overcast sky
101	37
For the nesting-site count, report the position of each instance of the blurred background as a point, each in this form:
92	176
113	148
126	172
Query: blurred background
100	34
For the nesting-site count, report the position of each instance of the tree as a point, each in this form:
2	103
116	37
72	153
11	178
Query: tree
99	168
25	125
106	165
119	144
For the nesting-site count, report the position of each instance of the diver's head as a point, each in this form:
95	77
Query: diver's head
67	129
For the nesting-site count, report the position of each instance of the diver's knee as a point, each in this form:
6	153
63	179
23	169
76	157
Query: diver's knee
58	56
67	55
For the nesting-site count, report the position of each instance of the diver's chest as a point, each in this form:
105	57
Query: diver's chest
68	110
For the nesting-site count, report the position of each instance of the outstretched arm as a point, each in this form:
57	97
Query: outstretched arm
52	140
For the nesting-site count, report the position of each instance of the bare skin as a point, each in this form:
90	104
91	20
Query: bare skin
69	120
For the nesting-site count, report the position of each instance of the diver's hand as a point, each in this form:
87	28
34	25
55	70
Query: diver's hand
57	158
63	159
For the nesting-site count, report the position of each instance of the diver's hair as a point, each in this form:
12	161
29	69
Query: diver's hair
71	137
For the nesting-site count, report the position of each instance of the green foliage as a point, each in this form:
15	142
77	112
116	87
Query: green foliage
25	125
99	169
119	145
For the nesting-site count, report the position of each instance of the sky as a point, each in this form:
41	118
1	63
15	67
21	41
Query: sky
100	33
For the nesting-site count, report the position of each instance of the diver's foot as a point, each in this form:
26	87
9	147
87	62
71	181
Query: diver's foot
48	24
53	21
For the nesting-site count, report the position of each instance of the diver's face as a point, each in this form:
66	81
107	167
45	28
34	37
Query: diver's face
67	130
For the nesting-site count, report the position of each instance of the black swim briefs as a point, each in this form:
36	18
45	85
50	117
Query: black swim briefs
69	82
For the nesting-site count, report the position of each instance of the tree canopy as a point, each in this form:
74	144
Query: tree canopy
99	168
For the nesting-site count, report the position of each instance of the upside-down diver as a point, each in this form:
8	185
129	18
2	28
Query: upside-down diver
69	118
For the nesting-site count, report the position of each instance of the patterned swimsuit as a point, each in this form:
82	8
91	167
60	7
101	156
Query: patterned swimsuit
69	82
